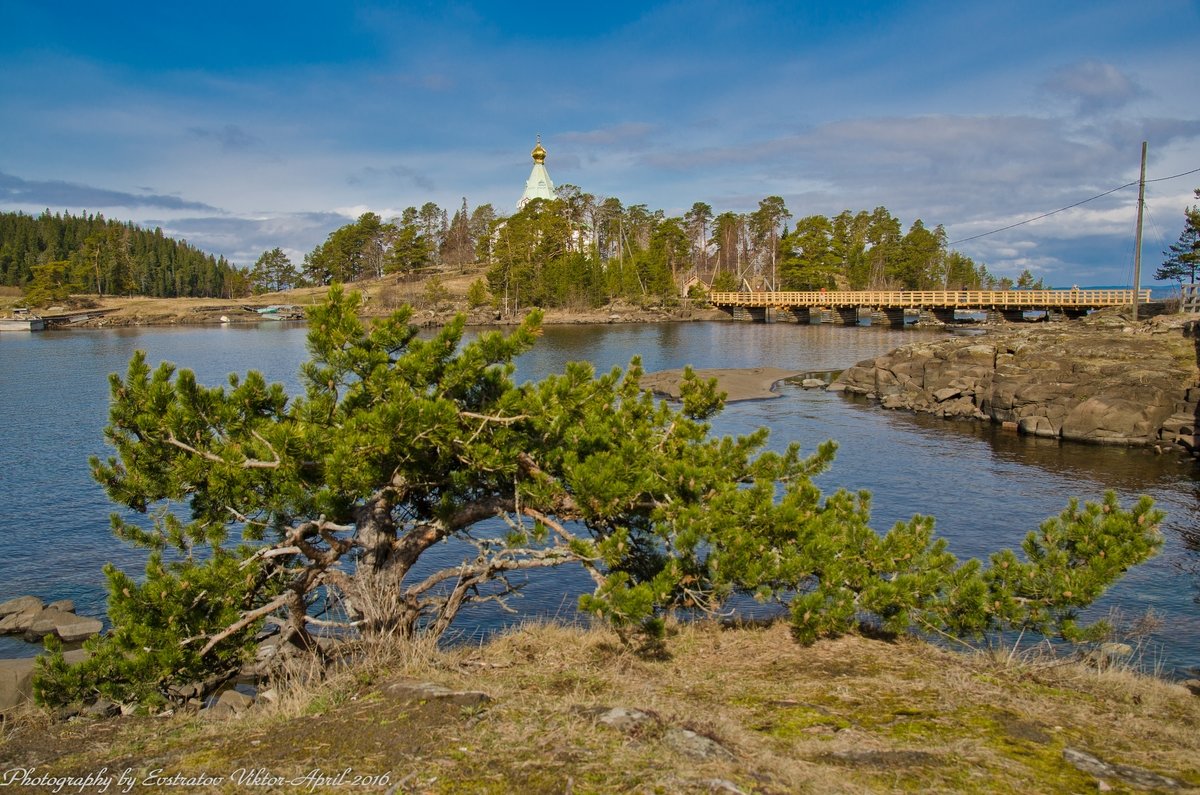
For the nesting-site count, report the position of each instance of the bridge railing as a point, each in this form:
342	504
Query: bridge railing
928	299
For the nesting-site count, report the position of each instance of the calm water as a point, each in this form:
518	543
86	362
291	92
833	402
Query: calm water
986	488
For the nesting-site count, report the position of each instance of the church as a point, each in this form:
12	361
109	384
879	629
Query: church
538	186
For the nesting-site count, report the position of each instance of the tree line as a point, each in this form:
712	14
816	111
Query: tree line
580	250
52	255
576	251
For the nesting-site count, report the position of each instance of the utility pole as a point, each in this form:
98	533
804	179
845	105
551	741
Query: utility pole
1137	246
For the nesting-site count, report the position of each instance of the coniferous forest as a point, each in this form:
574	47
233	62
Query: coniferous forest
55	254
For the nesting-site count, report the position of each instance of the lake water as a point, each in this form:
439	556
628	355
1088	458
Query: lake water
986	487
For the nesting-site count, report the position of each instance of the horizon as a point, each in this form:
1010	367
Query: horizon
237	139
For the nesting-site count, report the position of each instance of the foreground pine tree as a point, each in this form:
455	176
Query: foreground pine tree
318	511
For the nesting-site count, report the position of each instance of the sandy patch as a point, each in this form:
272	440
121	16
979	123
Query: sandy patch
751	383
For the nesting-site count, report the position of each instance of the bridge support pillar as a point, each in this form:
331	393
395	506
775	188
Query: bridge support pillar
941	314
888	317
793	314
1006	316
843	315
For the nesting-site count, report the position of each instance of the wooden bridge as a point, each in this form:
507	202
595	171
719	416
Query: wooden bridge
891	305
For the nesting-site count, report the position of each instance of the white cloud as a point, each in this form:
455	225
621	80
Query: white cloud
1092	86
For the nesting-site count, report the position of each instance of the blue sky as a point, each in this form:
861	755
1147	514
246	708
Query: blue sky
245	126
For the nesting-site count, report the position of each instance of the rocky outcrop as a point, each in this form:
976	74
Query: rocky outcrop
30	617
1103	380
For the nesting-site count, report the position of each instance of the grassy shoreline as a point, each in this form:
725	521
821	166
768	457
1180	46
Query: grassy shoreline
381	297
727	710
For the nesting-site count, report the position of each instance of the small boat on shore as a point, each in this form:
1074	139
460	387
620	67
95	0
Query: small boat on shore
279	312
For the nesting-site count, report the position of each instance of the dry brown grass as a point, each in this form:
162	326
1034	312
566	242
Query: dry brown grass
845	715
381	297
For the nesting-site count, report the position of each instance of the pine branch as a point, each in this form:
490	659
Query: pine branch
249	463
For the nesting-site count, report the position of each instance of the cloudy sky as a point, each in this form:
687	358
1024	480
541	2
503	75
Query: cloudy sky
245	126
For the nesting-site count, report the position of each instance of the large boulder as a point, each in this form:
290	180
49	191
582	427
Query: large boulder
22	604
1114	420
71	628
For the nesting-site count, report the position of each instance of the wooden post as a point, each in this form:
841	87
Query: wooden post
1137	246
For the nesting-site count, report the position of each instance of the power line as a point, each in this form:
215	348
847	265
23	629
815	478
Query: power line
1068	207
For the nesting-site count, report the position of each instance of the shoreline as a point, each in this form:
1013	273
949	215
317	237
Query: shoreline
140	311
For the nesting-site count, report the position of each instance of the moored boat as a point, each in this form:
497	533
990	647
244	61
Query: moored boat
281	312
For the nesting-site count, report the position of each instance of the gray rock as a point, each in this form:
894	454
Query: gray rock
69	627
1037	426
1113	419
695	745
621	718
236	700
185	692
1129	775
22	604
80	628
102	708
43	624
64	605
406	690
15	623
229	703
721	785
942	395
812	383
19	620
